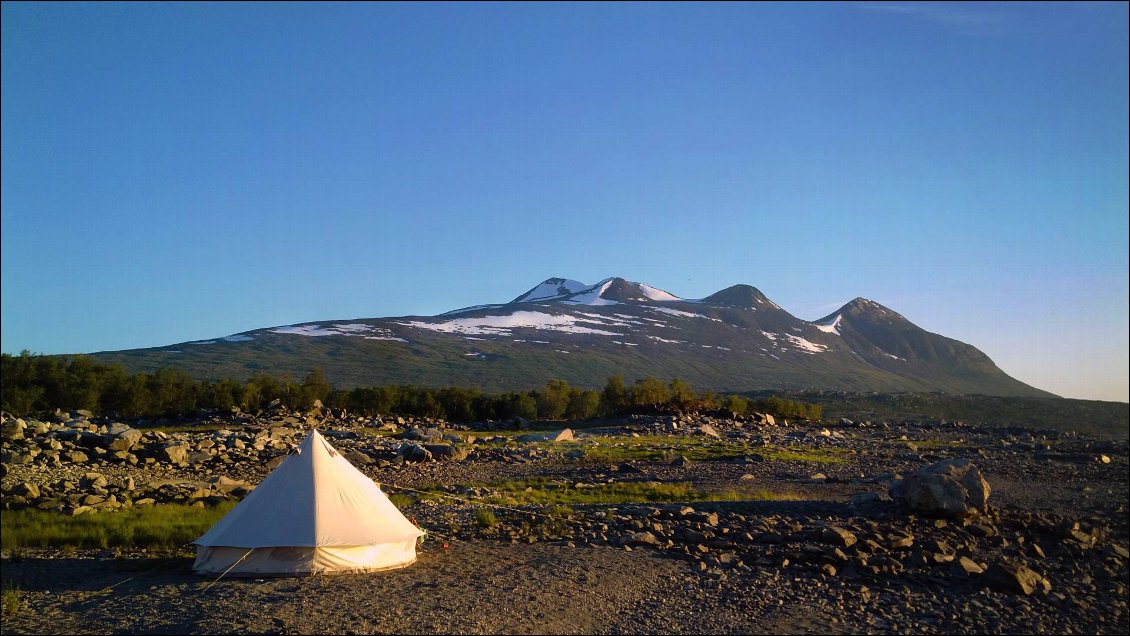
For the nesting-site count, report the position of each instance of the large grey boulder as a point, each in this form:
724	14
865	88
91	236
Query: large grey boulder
952	488
227	485
123	440
414	453
357	457
175	453
564	435
198	457
709	431
446	451
13	429
422	434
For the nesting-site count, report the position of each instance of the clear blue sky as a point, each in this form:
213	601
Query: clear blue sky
176	172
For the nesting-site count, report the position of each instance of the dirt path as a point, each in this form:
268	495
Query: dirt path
469	588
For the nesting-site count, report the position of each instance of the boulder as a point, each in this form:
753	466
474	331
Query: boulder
226	485
709	431
122	440
641	538
77	457
1013	579
117	427
357	457
281	433
93	480
681	461
952	488
965	566
175	453
446	451
414	453
837	536
565	435
13	429
26	489
198	457
418	434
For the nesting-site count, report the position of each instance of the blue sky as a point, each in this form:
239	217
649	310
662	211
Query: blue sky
175	172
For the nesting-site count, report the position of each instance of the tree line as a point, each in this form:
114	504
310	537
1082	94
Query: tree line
34	384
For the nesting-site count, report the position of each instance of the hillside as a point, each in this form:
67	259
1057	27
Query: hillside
734	340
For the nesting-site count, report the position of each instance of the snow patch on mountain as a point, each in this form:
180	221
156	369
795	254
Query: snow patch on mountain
806	345
682	314
502	325
830	326
369	332
600	320
591	295
657	294
552	288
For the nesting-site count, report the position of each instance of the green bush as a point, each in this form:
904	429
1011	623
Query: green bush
484	518
400	500
12	599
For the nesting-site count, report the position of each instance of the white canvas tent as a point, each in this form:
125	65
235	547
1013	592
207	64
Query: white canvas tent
314	514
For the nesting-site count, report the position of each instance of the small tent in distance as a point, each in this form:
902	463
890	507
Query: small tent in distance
314	514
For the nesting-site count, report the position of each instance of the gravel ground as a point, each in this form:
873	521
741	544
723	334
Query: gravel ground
494	582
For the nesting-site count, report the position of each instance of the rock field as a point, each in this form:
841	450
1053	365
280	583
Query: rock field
845	527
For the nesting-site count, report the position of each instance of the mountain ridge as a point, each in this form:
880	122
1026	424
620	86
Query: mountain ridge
732	340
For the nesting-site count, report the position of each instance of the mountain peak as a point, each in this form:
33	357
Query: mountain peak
743	296
551	289
608	291
625	291
863	308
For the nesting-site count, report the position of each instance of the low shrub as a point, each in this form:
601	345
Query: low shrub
484	518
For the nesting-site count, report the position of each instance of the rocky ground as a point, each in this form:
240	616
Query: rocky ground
836	531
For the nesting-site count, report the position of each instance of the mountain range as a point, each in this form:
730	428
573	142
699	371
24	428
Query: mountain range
736	339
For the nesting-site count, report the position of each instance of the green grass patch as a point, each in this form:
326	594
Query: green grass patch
659	448
545	491
401	500
152	527
801	454
937	443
